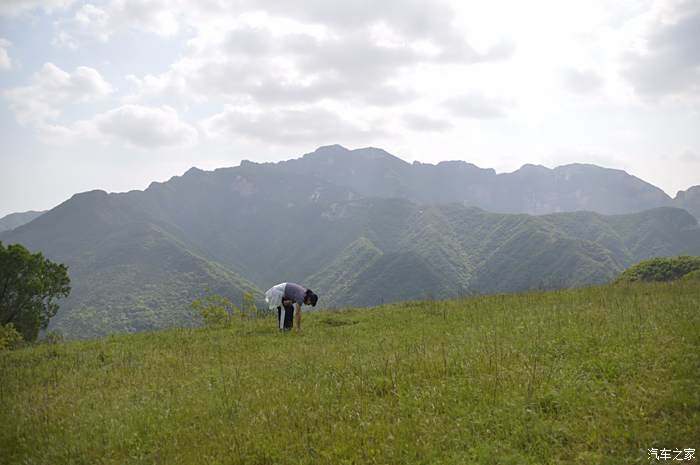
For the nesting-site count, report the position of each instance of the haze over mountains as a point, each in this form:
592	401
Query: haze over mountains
359	226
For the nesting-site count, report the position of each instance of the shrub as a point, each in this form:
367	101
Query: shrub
249	309
53	337
660	269
692	276
10	338
215	310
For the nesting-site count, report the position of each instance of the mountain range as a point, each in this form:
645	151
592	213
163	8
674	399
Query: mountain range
360	227
531	189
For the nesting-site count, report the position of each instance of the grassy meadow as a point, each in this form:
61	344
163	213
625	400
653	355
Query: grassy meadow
585	376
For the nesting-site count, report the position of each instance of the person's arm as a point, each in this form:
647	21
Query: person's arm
297	316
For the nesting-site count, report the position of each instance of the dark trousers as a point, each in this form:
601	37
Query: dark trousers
285	317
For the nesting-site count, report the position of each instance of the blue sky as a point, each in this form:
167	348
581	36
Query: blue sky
115	94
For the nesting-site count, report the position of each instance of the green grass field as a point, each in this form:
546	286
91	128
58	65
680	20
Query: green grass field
589	376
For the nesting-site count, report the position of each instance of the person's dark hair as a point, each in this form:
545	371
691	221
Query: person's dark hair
312	298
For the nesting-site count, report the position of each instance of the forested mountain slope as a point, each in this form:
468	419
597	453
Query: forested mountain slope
137	259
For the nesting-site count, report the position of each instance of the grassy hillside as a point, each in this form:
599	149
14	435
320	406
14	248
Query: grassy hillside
583	376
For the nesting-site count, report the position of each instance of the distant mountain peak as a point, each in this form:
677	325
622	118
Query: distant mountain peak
447	163
579	165
193	170
589	167
689	199
529	167
93	194
15	220
332	147
693	190
376	153
325	150
337	156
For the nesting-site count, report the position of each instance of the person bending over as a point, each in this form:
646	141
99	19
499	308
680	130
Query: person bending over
284	297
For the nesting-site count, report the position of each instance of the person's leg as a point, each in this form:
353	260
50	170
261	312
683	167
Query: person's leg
280	317
288	316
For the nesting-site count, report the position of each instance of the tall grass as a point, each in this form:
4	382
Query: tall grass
589	376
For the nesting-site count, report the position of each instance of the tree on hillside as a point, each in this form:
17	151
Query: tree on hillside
29	284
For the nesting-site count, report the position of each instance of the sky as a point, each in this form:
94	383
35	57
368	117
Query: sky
116	94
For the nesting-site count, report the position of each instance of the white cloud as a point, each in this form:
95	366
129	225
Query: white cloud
145	127
51	88
290	52
411	19
141	127
93	19
274	67
422	123
479	106
688	156
40	104
171	85
17	7
315	125
5	61
291	68
64	39
582	81
669	62
154	16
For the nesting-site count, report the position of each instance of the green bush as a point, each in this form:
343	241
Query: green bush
660	269
249	309
53	337
692	276
215	310
10	338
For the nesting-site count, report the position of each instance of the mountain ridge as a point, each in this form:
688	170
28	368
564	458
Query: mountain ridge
332	155
385	175
14	220
243	229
